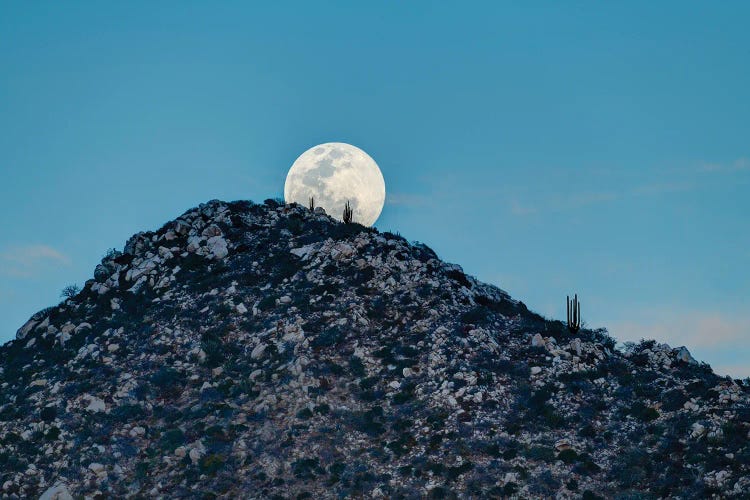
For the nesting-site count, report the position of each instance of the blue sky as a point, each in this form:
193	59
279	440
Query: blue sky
549	149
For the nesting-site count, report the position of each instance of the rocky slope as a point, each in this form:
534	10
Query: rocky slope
266	351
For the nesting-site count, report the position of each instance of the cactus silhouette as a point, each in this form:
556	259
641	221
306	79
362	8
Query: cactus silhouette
574	314
312	203
348	213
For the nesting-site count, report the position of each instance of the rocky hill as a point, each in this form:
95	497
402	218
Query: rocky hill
266	351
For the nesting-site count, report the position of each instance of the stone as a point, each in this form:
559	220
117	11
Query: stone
96	405
25	329
195	455
218	247
684	355
537	341
303	252
137	431
57	492
698	430
241	308
211	231
258	351
97	469
562	445
536	370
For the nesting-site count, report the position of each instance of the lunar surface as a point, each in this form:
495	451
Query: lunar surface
334	173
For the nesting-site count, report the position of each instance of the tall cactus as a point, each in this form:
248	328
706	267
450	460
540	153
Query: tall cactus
574	314
348	213
312	203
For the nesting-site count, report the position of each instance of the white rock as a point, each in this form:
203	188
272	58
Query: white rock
25	329
258	351
195	455
137	431
537	340
698	430
95	405
303	252
576	345
536	370
286	299
684	355
180	452
97	469
395	385
241	308
212	230
218	247
57	492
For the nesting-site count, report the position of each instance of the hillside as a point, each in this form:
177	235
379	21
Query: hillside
266	351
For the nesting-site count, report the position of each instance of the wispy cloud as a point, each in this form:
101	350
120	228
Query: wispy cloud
523	208
737	165
662	188
516	208
24	261
406	199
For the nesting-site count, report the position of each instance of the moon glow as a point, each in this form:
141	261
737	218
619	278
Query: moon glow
334	173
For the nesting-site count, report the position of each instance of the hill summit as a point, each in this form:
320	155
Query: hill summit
268	351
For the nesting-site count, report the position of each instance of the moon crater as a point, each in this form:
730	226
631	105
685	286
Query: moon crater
334	173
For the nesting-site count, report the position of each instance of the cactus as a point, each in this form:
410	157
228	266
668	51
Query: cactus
348	213
312	203
574	314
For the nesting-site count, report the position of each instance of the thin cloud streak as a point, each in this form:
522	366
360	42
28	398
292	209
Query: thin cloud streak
737	165
406	199
25	261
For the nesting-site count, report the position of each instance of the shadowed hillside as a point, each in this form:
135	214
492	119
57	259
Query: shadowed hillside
260	351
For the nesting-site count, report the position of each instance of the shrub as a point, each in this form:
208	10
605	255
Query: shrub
329	338
167	381
172	439
475	316
356	366
306	468
52	434
459	277
210	464
70	291
643	412
304	414
48	413
568	456
540	453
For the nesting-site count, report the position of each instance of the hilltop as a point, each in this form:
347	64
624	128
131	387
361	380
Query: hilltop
267	351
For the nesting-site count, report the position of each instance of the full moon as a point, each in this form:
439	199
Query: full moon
334	173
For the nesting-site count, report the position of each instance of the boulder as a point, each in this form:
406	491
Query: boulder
684	355
57	492
217	245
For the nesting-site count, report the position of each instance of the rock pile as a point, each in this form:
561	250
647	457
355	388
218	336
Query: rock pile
266	351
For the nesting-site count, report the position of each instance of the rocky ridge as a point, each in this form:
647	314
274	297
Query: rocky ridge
267	351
